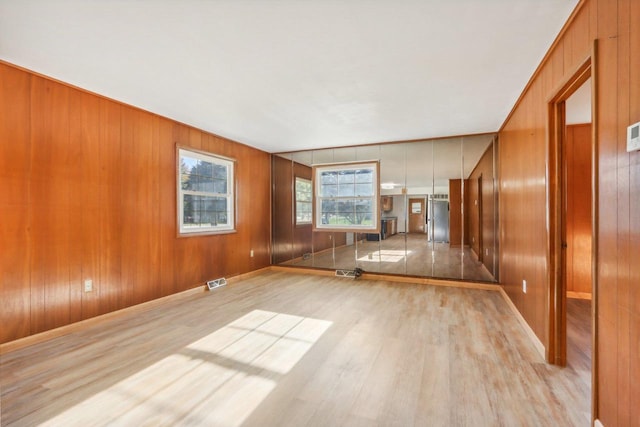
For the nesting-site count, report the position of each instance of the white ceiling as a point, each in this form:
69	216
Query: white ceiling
287	75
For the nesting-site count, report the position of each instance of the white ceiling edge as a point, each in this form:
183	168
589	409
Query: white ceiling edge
288	75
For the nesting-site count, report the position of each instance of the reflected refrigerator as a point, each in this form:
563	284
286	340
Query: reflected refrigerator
439	221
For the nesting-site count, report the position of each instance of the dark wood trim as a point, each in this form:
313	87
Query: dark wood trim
557	346
594	230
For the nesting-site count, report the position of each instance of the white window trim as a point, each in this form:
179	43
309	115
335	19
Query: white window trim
230	195
317	213
295	200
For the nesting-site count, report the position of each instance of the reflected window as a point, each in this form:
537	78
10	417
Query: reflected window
205	192
303	195
347	197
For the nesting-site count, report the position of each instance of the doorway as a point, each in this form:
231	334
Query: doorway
417	219
572	207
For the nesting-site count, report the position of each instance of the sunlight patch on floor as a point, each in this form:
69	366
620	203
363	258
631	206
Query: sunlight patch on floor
220	378
386	255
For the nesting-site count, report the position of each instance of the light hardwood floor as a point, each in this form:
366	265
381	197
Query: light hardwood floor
284	349
409	254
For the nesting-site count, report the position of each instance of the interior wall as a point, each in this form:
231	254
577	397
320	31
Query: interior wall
89	192
291	241
523	231
484	221
578	216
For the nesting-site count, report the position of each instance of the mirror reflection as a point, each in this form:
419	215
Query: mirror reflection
438	206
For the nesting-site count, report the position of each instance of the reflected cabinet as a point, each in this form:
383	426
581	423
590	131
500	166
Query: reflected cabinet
431	213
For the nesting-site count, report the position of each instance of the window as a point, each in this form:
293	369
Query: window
304	194
346	197
205	193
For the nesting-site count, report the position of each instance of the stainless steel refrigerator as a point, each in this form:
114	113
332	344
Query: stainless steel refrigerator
439	221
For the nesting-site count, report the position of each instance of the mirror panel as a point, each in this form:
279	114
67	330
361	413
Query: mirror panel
438	211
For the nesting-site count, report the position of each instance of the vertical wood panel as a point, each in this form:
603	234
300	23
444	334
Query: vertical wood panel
84	134
623	220
168	211
15	164
50	204
111	289
282	201
608	226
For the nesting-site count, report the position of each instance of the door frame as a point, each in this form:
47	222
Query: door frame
556	351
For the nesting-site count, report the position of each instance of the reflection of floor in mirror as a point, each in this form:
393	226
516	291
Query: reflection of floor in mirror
423	258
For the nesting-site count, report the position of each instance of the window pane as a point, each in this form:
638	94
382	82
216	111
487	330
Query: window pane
364	189
220	172
346	177
202	175
328	205
188	209
329	178
329	190
346	190
219	186
347	196
364	175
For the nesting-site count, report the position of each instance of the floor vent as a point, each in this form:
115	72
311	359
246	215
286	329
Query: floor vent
350	274
212	284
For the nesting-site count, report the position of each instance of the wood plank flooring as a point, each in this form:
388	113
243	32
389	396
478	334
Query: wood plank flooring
409	254
284	349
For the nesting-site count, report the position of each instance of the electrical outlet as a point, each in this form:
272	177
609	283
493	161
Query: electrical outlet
251	253
524	286
88	285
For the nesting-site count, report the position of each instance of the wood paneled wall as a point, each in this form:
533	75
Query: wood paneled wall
523	231
481	214
291	241
578	207
89	192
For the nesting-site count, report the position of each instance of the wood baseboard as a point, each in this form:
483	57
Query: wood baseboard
73	327
579	295
393	278
532	336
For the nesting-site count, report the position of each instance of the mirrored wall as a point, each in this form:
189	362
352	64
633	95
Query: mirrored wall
438	202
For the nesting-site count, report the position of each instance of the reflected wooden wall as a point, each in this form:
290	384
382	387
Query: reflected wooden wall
578	210
88	192
522	199
291	241
480	210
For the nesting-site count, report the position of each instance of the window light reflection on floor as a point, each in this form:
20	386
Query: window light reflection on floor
385	255
217	380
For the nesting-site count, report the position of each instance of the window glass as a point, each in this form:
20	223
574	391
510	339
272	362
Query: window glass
205	192
347	197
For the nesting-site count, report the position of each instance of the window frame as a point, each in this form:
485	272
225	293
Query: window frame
230	164
295	201
374	165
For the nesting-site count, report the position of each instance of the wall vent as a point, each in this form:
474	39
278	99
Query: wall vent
439	196
350	274
212	284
